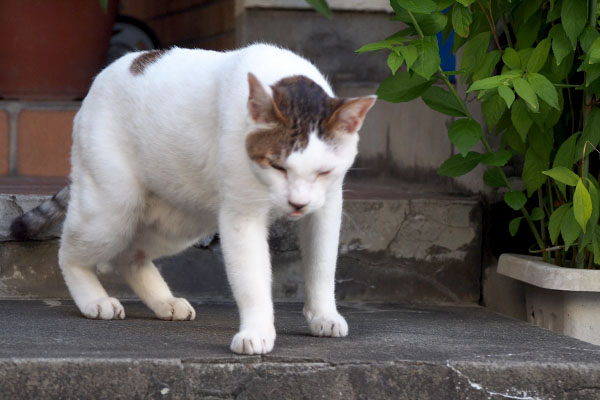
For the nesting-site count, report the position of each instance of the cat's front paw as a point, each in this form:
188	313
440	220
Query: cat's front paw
330	324
104	308
248	341
174	309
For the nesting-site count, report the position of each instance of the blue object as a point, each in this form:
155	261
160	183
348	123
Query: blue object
448	59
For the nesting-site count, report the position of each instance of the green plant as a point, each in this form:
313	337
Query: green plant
534	67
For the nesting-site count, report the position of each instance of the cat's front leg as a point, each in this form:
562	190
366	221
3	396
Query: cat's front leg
319	238
247	261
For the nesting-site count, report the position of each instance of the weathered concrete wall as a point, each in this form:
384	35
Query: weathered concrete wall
411	250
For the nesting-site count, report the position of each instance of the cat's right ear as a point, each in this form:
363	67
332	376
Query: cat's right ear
261	107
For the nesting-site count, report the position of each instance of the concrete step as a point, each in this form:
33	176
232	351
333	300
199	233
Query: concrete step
399	243
47	350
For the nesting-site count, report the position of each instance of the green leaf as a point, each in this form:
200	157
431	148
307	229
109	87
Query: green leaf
507	94
532	175
587	38
321	7
511	58
544	89
430	23
582	205
520	118
515	200
556	221
402	87
537	214
486	83
592	224
465	3
497	159
384	44
524	56
542	142
513	225
429	59
569	228
394	61
590	136
461	20
527	33
561	46
563	175
464	134
596	246
474	52
442	101
487	66
417	6
514	141
565	157
594	52
493	178
525	91
492	108
539	56
410	54
458	165
574	15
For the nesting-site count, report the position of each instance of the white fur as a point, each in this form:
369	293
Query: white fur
159	160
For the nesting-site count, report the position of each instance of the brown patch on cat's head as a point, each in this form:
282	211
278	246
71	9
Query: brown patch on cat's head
140	63
297	107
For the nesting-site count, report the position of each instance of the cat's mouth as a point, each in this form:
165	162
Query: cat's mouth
295	214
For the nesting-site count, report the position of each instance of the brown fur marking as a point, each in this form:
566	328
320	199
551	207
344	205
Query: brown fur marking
301	107
140	63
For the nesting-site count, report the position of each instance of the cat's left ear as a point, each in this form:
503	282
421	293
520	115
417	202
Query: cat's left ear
350	115
261	107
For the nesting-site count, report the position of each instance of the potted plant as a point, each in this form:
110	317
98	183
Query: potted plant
534	67
52	49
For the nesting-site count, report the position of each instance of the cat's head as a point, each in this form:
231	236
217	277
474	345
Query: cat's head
301	140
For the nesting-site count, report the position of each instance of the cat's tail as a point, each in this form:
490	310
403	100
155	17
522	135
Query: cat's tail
30	224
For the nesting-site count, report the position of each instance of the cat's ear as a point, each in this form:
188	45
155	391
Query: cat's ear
261	107
350	115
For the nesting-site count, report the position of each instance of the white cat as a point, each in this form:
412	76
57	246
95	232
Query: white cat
171	145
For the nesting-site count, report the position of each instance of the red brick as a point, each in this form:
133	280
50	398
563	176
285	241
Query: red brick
44	142
4	142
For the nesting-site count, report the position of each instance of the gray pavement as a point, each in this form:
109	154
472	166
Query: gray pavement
47	350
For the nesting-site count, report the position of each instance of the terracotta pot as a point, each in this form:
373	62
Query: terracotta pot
52	49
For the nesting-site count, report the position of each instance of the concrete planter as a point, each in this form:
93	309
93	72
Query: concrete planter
564	300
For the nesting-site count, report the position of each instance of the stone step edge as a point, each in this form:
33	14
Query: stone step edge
294	378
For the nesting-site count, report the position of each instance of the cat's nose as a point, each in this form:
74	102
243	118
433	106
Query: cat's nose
297	206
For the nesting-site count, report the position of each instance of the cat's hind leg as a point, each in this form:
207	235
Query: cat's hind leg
100	223
148	284
78	269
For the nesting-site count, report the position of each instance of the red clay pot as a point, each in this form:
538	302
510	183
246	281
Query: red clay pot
52	49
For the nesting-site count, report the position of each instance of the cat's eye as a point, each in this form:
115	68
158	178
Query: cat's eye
323	173
278	167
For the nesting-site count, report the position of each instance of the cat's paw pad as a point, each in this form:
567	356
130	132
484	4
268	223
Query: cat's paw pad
174	309
330	325
253	341
104	308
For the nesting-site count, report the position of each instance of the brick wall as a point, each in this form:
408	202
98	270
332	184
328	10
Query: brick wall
35	138
207	24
